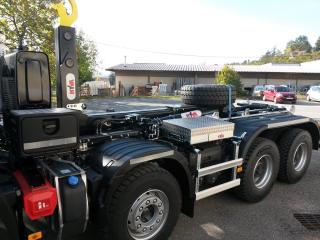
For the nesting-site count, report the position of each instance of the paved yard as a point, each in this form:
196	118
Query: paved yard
225	217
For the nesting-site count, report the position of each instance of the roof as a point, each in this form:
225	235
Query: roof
266	68
162	67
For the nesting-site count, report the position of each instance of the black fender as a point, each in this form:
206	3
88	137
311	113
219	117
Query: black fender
249	128
114	159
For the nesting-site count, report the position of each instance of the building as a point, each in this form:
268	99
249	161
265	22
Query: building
175	76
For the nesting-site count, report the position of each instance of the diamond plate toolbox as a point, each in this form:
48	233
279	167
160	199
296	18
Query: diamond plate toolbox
198	130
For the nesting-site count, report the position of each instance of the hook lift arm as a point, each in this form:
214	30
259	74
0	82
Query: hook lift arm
66	59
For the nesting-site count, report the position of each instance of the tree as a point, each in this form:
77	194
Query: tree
229	76
317	45
87	54
300	44
29	23
270	55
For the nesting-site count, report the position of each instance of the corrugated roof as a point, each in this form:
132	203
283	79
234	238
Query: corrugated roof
267	68
162	67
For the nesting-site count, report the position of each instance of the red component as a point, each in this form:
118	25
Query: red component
38	201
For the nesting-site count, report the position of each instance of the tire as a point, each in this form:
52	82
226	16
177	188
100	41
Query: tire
144	183
308	98
294	142
264	98
207	95
253	188
275	100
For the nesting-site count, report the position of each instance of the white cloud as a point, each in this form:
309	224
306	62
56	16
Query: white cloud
180	26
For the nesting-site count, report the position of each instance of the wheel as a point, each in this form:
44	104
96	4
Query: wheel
207	95
275	100
295	153
261	166
264	98
308	98
145	206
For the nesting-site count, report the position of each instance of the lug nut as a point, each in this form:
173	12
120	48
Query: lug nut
155	200
158	220
148	202
137	218
151	227
139	226
160	204
145	229
161	212
140	209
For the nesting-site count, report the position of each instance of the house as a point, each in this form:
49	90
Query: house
175	76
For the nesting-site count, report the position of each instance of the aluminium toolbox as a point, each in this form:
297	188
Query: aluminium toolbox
198	130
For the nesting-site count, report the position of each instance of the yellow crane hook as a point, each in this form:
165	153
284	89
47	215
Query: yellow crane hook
66	19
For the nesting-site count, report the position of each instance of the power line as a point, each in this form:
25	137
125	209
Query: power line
171	53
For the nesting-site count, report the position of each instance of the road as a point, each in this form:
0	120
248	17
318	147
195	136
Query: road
225	217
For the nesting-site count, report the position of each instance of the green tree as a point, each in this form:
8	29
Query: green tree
317	45
87	55
30	23
301	43
229	76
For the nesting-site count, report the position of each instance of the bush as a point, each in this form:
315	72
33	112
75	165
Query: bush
229	76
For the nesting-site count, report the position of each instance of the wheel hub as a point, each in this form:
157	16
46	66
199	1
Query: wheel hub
262	171
148	215
300	157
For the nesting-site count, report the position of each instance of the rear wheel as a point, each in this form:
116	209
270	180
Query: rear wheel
261	166
295	151
145	206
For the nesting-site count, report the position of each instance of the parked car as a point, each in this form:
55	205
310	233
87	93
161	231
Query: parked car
279	94
313	94
304	89
257	91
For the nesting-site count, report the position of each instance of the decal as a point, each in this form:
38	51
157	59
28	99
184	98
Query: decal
71	86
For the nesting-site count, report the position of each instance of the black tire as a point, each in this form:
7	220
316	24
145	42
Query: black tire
207	95
290	170
139	181
248	189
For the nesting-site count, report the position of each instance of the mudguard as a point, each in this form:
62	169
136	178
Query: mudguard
114	159
252	127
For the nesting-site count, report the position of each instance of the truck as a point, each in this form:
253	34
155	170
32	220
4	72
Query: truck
130	173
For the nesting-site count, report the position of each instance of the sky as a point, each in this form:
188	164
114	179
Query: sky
194	31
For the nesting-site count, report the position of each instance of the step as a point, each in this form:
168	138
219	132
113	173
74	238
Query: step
219	167
217	189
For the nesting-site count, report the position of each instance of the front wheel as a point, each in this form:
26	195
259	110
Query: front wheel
308	98
145	206
261	166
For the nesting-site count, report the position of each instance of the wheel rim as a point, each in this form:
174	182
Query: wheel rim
148	214
262	171
300	157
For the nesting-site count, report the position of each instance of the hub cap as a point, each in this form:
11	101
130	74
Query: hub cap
262	171
300	157
148	214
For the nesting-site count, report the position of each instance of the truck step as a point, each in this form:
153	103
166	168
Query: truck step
217	189
219	167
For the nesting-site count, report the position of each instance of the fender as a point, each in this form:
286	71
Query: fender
116	158
252	127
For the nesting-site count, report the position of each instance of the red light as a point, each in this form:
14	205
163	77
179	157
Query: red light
39	201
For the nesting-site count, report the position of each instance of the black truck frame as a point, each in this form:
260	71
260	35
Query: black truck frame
131	173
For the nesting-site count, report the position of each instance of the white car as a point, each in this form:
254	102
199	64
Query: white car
313	94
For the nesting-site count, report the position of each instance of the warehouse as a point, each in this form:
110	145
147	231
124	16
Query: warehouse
129	76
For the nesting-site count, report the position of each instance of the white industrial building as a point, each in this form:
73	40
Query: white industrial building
175	76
